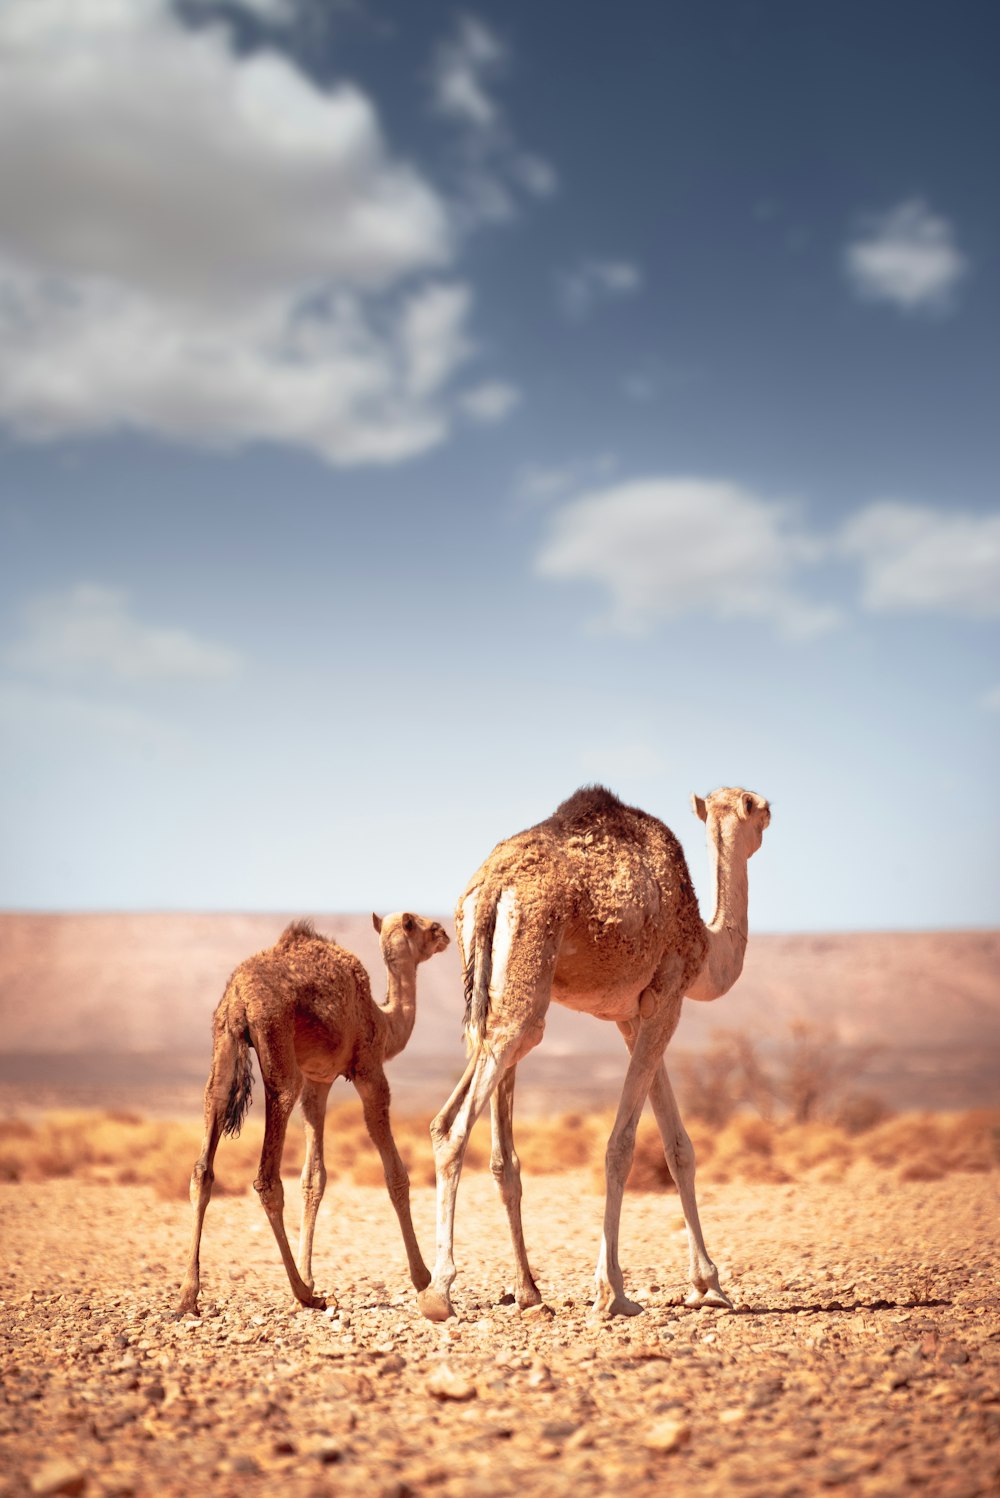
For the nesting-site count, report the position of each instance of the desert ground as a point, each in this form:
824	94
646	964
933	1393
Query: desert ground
863	1354
856	1236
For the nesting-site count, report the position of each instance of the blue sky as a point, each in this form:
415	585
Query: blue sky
410	413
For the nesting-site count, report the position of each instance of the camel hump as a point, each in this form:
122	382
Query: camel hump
595	809
296	932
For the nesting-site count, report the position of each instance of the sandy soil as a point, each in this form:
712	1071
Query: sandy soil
864	1354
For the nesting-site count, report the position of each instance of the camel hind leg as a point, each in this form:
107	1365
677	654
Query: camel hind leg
450	1135
506	1169
217	1095
282	1081
512	1021
314	1096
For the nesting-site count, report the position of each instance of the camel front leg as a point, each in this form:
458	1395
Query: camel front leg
647	1046
374	1092
450	1134
506	1169
314	1096
679	1152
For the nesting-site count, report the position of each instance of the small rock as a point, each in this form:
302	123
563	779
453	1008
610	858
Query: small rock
446	1383
667	1435
58	1476
542	1311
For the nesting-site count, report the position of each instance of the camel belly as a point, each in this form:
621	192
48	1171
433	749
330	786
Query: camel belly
607	987
610	1006
321	1055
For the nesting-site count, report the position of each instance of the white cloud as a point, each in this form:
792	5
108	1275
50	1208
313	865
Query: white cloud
465	68
491	402
90	631
595	281
537	483
908	257
463	64
535	175
209	246
662	547
917	558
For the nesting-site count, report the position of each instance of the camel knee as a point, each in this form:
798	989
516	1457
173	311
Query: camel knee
507	1176
271	1193
680	1156
314	1180
618	1156
449	1145
202	1178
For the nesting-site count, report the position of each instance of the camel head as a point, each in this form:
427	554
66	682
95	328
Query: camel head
408	938
740	816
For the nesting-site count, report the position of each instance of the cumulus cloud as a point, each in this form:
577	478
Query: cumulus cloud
662	547
594	282
90	631
209	246
907	257
914	557
491	402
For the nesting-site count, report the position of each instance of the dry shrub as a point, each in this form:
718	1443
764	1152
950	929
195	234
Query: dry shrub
942	1142
858	1112
824	1147
160	1154
745	1151
551	1145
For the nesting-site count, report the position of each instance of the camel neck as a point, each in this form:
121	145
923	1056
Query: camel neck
400	1008
727	931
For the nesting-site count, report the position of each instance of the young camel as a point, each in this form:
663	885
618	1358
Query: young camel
306	1007
593	908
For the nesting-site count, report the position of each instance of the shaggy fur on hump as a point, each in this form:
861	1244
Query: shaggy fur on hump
613	873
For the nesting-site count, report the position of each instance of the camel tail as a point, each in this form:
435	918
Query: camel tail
239	1091
235	1048
478	972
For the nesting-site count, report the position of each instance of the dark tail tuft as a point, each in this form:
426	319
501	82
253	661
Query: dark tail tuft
479	970
239	1089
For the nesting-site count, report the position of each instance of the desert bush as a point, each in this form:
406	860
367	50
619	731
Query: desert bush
857	1112
159	1154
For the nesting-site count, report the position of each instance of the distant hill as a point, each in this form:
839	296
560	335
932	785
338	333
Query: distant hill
84	997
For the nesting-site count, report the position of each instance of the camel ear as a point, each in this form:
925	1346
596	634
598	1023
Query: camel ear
747	805
377	922
699	808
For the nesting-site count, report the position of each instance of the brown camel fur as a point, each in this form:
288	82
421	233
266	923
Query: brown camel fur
593	908
306	1007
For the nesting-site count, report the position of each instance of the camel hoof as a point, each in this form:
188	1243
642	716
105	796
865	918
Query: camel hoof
182	1313
713	1299
422	1278
528	1298
435	1306
618	1305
